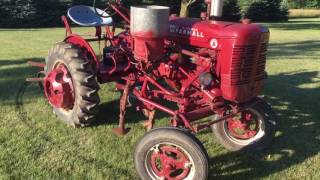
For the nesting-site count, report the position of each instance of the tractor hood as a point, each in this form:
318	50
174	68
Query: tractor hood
206	34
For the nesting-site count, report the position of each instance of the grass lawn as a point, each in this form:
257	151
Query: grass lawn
35	144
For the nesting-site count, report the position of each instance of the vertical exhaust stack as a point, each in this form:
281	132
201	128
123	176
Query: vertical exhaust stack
216	9
149	28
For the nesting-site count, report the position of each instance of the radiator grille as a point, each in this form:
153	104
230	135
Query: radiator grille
243	60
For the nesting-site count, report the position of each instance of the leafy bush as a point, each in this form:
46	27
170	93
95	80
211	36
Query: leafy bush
266	10
302	4
35	13
31	13
196	8
231	10
46	13
18	11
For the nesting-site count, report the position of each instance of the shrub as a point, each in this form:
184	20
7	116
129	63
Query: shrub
231	10
297	4
31	13
266	10
46	13
196	8
35	13
16	12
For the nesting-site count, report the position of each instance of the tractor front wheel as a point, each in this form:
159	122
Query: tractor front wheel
170	153
252	129
70	85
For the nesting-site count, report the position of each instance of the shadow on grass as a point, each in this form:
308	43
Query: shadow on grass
18	62
298	129
22	30
12	82
13	78
298	126
294	49
15	91
109	113
296	107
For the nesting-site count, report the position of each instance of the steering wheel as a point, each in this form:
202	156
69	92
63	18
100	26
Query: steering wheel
106	12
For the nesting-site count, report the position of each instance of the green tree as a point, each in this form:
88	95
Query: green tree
17	12
266	10
48	12
296	4
231	10
184	8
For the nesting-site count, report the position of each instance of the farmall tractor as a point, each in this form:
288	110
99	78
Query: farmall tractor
211	70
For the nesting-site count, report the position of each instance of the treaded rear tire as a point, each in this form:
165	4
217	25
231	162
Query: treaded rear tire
84	82
177	137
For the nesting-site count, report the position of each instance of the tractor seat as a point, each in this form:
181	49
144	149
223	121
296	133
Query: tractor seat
86	16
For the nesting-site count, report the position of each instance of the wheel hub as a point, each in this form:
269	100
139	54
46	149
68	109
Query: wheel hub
170	163
245	126
58	87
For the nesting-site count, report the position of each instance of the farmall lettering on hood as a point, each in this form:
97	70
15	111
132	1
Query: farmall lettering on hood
186	31
201	33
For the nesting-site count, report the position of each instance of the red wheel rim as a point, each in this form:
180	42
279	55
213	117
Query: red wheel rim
169	162
58	87
244	126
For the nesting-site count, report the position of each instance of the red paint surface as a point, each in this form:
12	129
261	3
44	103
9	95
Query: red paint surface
78	40
245	127
58	87
237	65
147	47
241	53
170	167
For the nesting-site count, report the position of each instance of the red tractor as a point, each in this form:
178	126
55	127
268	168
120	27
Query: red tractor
211	70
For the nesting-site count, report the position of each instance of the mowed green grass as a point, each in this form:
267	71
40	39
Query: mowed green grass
34	144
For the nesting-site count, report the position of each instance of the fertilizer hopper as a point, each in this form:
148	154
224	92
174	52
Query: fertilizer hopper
149	28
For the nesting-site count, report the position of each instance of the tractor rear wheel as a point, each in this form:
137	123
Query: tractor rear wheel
171	153
70	85
252	129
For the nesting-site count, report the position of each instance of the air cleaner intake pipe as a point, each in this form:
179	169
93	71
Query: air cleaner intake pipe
216	9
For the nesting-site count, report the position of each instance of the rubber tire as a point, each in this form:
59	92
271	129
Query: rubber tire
175	136
84	81
269	118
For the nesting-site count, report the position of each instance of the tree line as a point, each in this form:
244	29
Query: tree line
46	13
302	4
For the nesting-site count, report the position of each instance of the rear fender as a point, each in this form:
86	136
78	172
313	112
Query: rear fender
78	40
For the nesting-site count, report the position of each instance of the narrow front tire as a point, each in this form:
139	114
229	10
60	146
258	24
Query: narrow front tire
252	129
170	153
